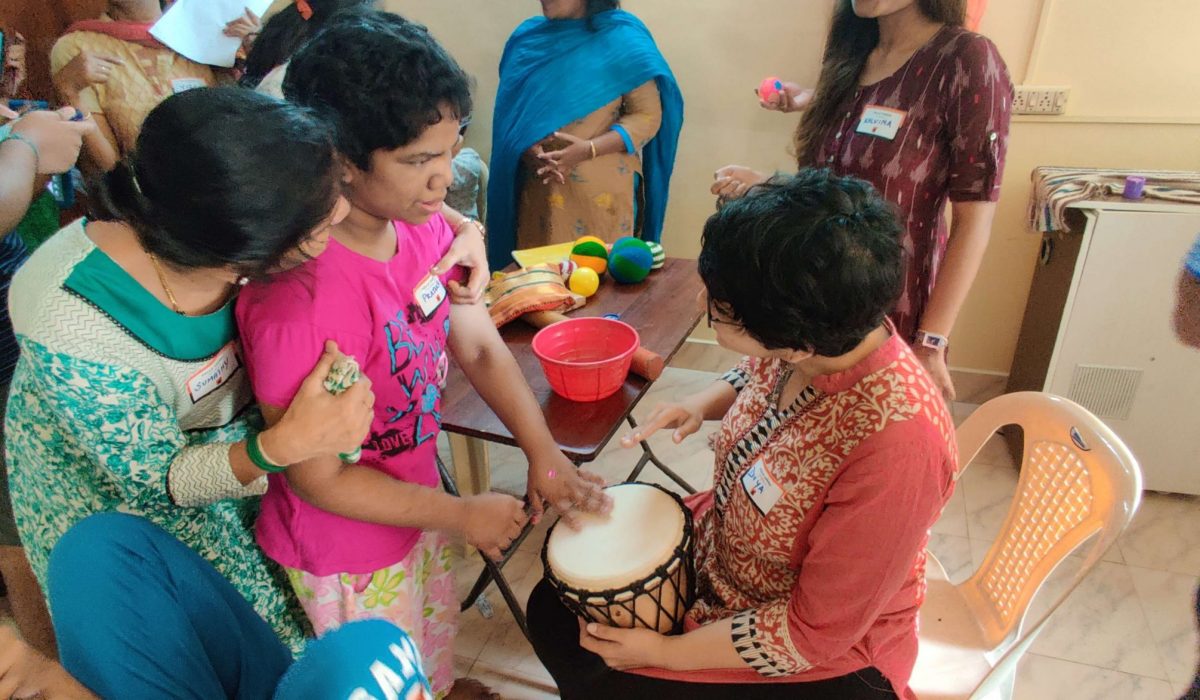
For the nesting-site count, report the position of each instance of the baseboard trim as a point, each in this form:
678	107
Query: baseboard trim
952	368
972	370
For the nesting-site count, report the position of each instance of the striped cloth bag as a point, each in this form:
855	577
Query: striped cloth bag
1054	189
535	288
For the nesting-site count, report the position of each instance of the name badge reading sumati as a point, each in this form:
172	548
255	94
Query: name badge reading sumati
881	121
215	374
430	294
761	487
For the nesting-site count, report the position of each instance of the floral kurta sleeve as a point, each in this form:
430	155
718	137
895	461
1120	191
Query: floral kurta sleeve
120	424
739	375
875	516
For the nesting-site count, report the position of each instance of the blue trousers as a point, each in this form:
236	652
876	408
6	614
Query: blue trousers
139	615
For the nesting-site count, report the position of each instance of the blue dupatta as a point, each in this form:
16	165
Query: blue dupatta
554	72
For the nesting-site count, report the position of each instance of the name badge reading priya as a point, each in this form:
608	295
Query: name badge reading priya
215	374
882	122
762	488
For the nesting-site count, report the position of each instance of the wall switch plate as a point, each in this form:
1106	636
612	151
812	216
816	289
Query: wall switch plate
1038	99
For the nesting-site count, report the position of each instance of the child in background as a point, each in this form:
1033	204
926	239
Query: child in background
468	191
369	540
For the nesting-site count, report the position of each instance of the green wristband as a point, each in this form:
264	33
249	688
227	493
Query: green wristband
256	456
14	136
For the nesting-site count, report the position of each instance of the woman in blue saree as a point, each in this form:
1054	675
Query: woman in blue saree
586	125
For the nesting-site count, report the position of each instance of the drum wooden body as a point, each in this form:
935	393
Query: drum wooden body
630	568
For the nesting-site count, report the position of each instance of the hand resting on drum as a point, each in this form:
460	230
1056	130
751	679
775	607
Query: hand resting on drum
554	481
705	647
624	648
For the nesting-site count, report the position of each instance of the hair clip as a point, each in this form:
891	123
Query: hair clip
305	10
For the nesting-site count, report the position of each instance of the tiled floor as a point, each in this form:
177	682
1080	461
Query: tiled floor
1127	632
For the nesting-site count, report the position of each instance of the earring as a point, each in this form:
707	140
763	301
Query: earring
243	281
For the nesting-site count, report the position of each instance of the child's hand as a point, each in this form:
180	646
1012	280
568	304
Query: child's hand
554	481
318	423
493	521
685	418
468	250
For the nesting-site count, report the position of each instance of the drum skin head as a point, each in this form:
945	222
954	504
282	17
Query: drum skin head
608	551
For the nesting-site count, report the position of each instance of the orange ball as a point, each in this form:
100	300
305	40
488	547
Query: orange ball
591	252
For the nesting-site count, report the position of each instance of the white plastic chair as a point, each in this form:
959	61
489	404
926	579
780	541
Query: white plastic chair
1079	485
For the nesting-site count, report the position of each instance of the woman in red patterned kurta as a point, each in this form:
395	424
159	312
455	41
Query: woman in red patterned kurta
834	458
919	107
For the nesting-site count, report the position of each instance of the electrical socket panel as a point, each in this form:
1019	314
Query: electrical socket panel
1038	99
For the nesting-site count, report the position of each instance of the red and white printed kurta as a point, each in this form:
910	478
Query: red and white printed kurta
829	579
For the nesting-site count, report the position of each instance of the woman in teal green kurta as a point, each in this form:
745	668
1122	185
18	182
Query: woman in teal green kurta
129	394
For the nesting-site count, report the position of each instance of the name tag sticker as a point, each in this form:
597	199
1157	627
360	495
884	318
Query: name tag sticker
430	294
762	488
883	122
215	374
179	85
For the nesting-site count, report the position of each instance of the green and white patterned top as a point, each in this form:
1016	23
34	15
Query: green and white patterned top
120	404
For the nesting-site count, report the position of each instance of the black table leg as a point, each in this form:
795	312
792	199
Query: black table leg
492	570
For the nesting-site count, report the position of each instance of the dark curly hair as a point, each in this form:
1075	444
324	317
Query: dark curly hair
286	32
379	79
810	261
223	177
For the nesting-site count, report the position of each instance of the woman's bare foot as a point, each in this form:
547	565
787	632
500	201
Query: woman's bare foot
471	689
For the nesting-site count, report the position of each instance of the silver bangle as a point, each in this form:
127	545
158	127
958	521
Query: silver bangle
468	220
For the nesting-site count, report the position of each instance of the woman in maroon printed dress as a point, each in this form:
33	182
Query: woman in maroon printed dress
918	106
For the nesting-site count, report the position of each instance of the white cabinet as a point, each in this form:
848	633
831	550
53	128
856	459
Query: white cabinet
1098	331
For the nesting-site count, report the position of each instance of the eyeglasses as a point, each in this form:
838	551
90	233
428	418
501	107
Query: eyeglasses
719	321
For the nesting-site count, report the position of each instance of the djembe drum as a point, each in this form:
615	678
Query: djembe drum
630	568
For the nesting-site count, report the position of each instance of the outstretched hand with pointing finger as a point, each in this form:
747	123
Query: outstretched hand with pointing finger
683	417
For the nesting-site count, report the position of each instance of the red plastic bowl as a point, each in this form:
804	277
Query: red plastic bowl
586	359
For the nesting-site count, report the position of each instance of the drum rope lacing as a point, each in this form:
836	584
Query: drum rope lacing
577	600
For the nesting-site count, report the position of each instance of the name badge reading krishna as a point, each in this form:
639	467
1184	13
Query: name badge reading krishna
430	294
761	487
215	374
879	121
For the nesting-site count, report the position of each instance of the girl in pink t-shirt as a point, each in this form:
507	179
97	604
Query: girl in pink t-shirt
370	539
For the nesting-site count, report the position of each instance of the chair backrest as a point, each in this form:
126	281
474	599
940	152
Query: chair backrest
1078	482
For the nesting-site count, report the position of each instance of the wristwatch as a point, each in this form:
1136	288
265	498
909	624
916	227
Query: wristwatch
925	339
